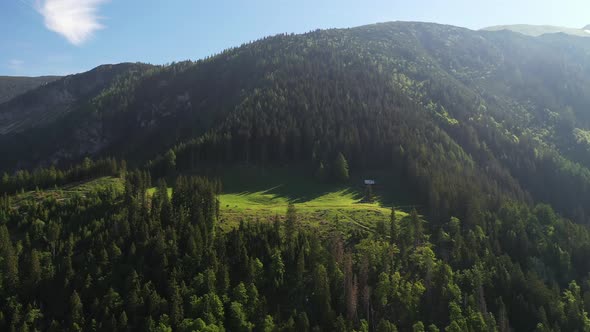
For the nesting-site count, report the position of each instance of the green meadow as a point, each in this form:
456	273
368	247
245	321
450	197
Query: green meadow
70	190
253	194
263	194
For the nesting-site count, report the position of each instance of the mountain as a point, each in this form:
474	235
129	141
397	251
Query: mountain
539	30
230	193
512	107
41	106
12	86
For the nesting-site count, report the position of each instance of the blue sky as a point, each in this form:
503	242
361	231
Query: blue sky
68	36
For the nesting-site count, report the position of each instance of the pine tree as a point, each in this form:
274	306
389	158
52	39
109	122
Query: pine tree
418	327
277	268
320	173
237	319
393	227
417	228
350	288
322	297
76	312
291	223
268	325
176	308
9	260
341	168
300	269
386	326
170	161
34	269
302	322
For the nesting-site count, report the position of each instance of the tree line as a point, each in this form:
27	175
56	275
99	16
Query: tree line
120	260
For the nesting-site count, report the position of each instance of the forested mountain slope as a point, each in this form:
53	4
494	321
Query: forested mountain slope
39	107
477	128
497	113
12	86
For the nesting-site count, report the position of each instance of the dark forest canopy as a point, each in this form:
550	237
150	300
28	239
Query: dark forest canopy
117	259
488	131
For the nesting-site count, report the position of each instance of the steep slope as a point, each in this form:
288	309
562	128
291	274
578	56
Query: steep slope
39	107
539	30
471	127
12	86
466	116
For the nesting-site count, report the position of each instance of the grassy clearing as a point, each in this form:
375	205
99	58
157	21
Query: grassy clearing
335	208
261	194
255	194
70	190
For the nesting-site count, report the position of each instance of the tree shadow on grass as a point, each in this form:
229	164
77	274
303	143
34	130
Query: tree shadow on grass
292	195
296	184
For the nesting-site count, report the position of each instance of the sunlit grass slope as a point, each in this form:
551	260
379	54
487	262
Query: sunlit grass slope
256	194
71	190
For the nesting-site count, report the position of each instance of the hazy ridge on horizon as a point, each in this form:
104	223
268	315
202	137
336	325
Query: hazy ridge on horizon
539	30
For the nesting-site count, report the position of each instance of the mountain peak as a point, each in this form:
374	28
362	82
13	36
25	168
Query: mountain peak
587	27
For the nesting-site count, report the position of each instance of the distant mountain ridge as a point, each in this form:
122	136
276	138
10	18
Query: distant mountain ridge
539	30
53	98
12	86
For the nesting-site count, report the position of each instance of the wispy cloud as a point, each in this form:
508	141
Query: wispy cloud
15	64
76	20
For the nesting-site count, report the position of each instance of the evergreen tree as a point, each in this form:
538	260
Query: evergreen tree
320	173
170	162
417	228
268	325
291	223
237	318
341	168
322	297
9	260
76	312
176	306
34	269
386	326
394	228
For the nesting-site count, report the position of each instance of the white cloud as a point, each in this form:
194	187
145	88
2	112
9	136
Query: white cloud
15	64
76	20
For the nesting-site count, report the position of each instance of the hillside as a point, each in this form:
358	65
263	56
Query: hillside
499	108
117	250
12	86
40	107
228	193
